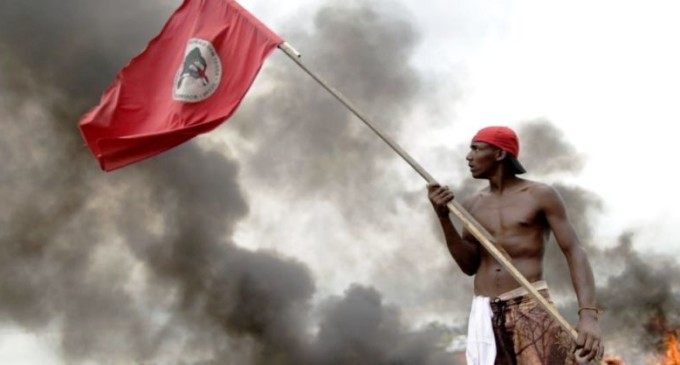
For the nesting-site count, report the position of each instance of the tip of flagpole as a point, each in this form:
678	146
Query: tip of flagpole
286	47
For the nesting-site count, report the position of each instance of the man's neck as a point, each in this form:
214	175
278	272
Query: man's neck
502	181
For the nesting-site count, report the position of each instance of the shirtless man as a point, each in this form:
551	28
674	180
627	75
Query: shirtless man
519	214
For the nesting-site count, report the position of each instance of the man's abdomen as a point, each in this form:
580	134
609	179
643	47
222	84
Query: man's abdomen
493	280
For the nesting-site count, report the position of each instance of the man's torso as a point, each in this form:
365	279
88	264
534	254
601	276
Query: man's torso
516	221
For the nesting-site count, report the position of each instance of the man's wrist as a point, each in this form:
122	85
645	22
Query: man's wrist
589	312
588	316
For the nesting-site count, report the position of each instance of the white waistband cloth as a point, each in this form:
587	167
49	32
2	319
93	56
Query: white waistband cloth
481	346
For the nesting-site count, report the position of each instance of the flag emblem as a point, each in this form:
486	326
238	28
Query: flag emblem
199	73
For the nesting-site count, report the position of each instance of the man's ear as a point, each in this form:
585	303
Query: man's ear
500	154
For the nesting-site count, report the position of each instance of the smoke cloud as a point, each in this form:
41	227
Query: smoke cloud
140	265
304	135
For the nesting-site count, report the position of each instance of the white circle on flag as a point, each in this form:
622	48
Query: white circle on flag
199	73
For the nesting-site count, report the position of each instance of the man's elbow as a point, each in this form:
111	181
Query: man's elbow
470	270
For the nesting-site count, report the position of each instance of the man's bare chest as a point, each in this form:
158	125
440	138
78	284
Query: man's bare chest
507	214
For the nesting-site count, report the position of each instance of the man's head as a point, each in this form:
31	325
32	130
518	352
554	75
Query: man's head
506	141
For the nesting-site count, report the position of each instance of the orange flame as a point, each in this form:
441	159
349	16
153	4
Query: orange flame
672	350
612	360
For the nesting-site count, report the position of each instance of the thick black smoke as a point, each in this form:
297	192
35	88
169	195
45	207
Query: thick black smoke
78	46
545	151
305	136
140	265
360	329
641	300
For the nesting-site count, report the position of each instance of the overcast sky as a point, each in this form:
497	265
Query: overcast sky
296	198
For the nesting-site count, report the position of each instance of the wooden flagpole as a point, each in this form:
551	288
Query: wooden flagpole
470	223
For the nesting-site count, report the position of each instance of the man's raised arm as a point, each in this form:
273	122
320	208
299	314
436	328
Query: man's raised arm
463	249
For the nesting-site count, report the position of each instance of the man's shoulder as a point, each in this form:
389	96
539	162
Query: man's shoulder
536	187
543	192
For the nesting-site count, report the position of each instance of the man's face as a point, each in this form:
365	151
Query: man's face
482	159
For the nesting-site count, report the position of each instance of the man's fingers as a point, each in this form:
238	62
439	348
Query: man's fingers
580	341
439	191
433	186
439	197
600	352
592	354
590	349
588	345
444	192
443	197
433	189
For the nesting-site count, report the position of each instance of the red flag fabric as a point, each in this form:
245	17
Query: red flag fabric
187	81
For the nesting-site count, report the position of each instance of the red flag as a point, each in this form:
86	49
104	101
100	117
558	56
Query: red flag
187	81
